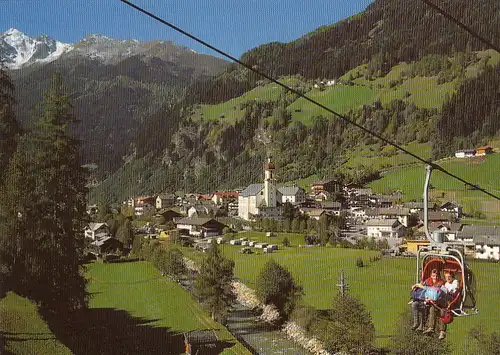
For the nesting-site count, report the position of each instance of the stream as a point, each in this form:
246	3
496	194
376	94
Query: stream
257	336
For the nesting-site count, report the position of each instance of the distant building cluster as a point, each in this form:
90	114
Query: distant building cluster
368	214
475	152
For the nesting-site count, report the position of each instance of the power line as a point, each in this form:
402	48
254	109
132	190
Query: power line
344	118
462	25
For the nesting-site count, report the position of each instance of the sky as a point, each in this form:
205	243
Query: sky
234	26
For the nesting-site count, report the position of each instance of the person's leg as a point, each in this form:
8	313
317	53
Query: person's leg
431	321
425	313
415	310
441	326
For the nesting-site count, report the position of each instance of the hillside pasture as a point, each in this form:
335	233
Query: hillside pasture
230	111
380	157
483	172
339	98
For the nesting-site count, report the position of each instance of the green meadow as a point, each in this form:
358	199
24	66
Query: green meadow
132	310
383	286
22	330
484	173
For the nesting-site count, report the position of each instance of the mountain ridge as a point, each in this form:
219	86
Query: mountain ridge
115	93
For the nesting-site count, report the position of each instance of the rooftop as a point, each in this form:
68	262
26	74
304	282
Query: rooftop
289	190
252	190
481	231
206	336
382	222
387	211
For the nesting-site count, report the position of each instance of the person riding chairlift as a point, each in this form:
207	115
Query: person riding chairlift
419	305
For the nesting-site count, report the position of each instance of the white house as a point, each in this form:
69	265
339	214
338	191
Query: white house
384	228
293	194
465	153
200	227
402	214
260	198
450	229
487	247
486	240
96	231
453	207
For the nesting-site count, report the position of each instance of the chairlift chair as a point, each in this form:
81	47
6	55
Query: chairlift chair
445	256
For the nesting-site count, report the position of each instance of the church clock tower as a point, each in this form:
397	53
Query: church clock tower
269	188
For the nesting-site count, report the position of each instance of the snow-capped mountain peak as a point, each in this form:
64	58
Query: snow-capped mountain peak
18	50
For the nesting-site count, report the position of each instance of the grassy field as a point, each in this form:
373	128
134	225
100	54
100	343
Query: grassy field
340	98
383	286
133	310
370	155
138	289
484	173
230	111
23	331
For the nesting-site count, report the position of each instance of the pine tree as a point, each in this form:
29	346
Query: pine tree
213	284
347	327
9	128
125	233
45	210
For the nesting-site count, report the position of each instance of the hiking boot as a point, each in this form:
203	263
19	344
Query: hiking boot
442	335
429	331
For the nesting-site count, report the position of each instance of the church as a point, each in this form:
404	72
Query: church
260	199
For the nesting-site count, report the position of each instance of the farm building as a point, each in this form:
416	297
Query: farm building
96	231
200	227
168	215
465	153
329	185
481	151
106	245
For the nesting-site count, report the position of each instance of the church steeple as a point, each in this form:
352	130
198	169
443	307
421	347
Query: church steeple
269	188
268	169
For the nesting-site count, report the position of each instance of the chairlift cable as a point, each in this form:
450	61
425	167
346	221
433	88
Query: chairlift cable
344	118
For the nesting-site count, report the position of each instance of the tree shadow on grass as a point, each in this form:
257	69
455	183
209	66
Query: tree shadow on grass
112	331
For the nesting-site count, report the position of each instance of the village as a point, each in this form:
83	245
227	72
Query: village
357	214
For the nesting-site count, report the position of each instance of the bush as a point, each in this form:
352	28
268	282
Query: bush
286	242
305	316
276	286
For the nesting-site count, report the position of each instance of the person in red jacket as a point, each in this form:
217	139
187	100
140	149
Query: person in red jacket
421	306
434	309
